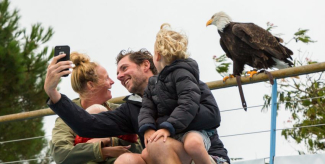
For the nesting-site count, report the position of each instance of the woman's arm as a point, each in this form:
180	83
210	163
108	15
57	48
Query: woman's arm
53	76
64	151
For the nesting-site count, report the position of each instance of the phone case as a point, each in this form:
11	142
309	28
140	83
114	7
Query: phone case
62	49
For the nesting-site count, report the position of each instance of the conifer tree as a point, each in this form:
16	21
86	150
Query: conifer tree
23	64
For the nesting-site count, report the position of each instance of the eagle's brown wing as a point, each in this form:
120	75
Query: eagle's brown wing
224	47
260	39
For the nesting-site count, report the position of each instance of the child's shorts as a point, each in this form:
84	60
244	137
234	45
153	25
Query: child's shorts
204	134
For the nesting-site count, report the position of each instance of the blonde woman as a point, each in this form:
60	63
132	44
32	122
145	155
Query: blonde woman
173	103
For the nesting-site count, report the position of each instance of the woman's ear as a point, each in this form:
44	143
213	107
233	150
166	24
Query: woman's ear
90	85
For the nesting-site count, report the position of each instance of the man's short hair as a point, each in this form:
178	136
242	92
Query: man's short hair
138	57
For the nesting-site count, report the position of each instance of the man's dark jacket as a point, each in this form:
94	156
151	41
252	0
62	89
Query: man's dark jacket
123	120
178	101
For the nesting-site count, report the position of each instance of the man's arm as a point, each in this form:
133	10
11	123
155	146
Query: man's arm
105	124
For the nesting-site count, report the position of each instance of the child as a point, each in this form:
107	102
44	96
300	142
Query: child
174	101
94	109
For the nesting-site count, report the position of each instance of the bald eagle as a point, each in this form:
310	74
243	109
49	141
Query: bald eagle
247	43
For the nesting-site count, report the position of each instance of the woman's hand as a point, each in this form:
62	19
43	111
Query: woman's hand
115	151
147	135
53	76
105	141
159	133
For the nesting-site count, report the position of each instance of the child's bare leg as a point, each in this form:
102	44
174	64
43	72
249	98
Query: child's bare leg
194	146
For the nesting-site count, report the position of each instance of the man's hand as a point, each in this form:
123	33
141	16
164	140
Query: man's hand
159	133
53	76
115	151
147	135
105	141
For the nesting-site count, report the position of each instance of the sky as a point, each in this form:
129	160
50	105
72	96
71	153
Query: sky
102	28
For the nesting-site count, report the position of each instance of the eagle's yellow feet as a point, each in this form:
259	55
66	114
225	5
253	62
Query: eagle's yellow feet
251	73
227	77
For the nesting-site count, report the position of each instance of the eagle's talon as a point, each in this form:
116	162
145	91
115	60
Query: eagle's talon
227	77
251	73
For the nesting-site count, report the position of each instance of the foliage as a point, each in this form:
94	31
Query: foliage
304	98
301	36
222	64
270	26
23	60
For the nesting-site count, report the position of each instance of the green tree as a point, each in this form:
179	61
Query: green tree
23	64
303	97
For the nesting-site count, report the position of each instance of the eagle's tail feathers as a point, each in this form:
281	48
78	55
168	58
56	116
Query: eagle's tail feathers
281	64
279	39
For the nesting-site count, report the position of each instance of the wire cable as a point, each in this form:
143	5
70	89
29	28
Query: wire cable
239	134
263	131
240	108
25	160
304	99
307	126
23	139
228	110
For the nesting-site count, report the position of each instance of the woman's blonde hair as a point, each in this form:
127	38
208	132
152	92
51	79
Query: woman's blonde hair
83	72
170	44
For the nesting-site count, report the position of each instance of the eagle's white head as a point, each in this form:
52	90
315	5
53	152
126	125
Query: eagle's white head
220	19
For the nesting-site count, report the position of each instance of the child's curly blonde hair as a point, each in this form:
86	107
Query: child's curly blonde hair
170	44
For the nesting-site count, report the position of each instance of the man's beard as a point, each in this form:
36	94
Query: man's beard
137	85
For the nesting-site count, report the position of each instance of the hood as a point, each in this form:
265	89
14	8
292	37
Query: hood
188	64
134	99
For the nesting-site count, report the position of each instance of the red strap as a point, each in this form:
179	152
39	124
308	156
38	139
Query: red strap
129	137
79	139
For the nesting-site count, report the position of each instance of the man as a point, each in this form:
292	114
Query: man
134	70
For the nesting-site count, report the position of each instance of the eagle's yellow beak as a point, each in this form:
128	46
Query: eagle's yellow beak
209	22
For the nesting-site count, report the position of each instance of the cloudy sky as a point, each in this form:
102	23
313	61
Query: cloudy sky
103	28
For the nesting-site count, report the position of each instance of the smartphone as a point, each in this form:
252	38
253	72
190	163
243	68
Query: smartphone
62	50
